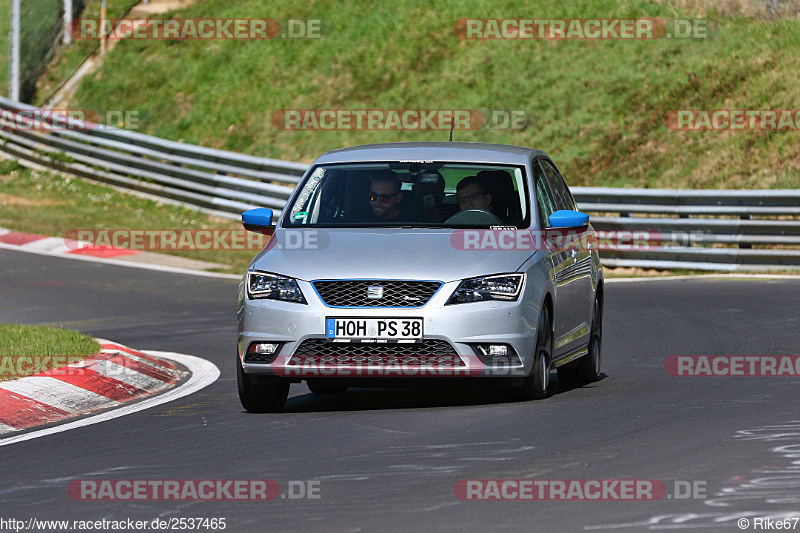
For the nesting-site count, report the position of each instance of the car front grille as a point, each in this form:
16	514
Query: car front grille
427	353
355	293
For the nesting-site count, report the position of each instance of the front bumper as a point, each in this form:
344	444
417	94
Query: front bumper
461	326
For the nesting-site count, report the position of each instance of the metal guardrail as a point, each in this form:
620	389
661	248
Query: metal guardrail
696	229
225	183
663	228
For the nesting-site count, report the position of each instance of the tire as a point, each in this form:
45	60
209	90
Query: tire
534	387
318	386
260	398
587	368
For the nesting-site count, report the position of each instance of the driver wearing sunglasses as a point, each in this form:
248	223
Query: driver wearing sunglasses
384	195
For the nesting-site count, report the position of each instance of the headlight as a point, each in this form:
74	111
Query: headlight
274	287
503	287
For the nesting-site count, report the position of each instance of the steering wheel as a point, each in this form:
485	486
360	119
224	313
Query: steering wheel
476	217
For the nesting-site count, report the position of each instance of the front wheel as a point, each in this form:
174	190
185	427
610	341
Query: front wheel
534	387
589	365
260	397
587	368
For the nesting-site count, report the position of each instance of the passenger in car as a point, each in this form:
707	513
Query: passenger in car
472	194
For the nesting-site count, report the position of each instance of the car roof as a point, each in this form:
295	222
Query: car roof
432	151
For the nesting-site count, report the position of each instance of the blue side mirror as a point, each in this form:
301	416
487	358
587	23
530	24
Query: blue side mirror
566	218
258	220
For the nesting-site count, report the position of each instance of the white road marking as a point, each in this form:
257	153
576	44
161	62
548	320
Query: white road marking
773	485
204	373
57	393
6	429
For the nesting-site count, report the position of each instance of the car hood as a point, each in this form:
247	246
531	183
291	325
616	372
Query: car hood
380	253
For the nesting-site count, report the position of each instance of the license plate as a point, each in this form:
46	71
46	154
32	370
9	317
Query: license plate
377	330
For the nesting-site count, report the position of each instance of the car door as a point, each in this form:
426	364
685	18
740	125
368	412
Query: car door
575	277
560	258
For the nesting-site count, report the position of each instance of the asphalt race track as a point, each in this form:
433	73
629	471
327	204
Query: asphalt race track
387	459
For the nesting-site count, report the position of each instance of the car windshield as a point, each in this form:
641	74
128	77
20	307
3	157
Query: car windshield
418	194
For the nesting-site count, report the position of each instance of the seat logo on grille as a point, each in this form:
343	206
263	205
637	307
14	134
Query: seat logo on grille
375	292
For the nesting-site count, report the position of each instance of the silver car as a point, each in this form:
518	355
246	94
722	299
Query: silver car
421	262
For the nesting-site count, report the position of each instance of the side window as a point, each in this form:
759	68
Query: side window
544	198
562	197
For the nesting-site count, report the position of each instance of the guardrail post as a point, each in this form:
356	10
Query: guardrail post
103	27
745	245
67	22
13	56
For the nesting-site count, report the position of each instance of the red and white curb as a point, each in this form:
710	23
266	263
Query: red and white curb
59	245
110	379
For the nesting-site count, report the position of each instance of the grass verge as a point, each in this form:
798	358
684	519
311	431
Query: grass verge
66	59
598	107
27	350
69	58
